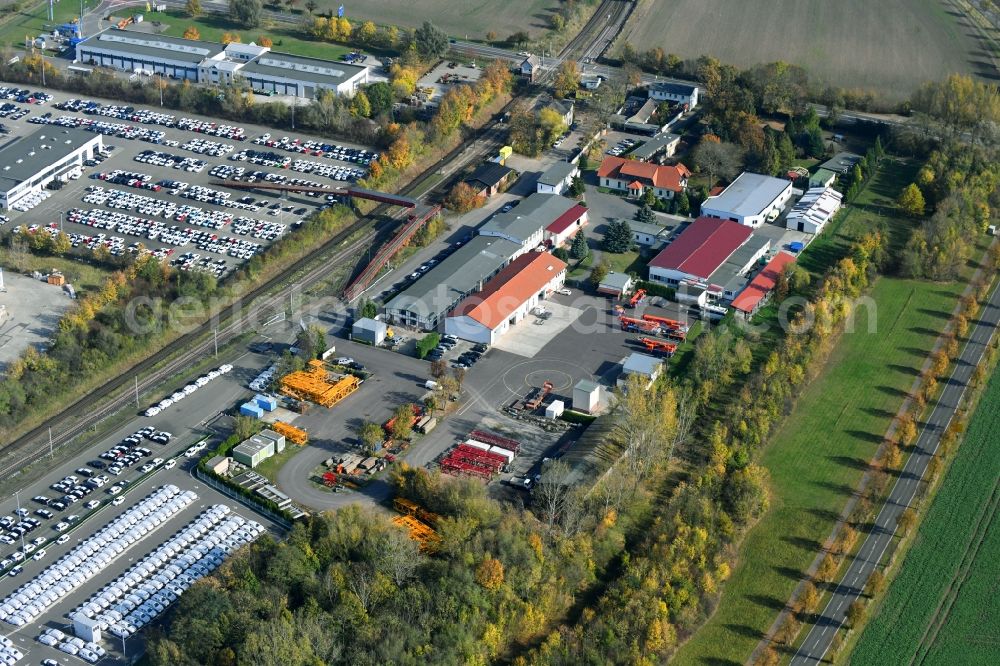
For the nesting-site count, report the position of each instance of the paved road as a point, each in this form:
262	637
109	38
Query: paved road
821	634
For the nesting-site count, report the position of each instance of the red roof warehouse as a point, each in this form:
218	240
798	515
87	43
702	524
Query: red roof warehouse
702	247
756	293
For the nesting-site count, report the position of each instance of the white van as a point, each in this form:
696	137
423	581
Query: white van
430	384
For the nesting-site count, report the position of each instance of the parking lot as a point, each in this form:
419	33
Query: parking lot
111	496
154	189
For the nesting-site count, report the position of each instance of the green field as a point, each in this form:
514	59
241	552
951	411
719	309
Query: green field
469	17
286	38
889	47
943	606
819	455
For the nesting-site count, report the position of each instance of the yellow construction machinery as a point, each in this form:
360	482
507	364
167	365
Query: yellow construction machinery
316	384
291	433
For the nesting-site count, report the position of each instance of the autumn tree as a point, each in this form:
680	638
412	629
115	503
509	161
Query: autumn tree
191	32
439	368
360	106
567	78
489	574
876	584
463	197
193	8
907	429
717	158
855	613
367	32
230	38
402	424
906	521
371	435
809	598
911	200
827	569
265	41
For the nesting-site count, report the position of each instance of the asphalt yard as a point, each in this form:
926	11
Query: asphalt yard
249	227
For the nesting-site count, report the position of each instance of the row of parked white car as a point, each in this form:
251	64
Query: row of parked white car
189	389
334	172
93	554
9	654
248	226
261	381
159	158
131	225
90	652
120	130
134	599
207	147
29	201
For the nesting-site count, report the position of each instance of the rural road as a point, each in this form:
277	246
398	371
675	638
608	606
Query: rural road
817	642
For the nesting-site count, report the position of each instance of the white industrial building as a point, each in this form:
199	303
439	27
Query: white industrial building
218	64
751	200
816	207
29	163
507	298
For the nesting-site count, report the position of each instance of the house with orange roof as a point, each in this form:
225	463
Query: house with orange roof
634	177
507	298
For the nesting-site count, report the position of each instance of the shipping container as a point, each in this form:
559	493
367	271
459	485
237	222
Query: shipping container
478	445
509	455
251	409
267	402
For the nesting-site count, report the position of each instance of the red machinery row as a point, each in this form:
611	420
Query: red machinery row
654	325
471	460
496	440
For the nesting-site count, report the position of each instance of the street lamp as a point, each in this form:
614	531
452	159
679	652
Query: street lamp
17	495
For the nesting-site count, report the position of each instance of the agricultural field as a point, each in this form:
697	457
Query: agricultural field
474	18
943	606
889	47
286	38
820	454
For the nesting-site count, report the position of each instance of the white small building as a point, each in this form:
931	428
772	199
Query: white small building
641	365
751	200
555	409
369	330
507	298
586	396
557	178
531	67
816	207
681	93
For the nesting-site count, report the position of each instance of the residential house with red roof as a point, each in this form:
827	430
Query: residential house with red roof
634	177
507	298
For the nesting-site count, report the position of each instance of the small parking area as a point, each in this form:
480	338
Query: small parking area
538	328
445	76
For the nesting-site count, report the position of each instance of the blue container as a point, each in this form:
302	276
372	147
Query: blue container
268	403
250	409
796	246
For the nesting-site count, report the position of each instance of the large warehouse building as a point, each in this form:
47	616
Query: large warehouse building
751	200
507	298
708	261
29	163
500	240
218	64
427	301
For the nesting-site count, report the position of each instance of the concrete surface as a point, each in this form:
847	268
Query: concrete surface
33	311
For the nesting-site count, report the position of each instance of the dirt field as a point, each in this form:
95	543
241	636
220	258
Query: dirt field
468	17
890	46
